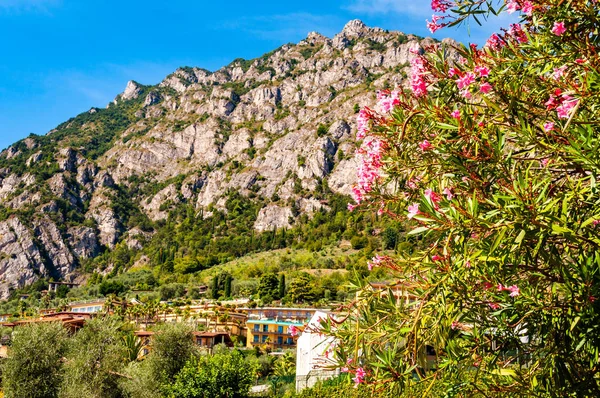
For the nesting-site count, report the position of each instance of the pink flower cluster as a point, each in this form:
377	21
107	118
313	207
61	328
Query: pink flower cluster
513	5
369	156
359	377
413	210
376	262
433	197
362	122
466	79
434	25
441	5
386	101
494	42
417	78
516	32
563	103
559	28
293	331
514	290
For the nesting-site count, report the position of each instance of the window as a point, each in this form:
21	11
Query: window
280	329
264	339
255	339
289	341
265	328
280	340
256	328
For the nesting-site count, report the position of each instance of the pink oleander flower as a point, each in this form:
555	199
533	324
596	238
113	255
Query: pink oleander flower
468	264
596	222
453	72
387	102
548	126
436	257
293	331
417	78
433	197
362	123
425	145
494	306
482	71
551	103
500	287
485	87
514	290
559	28
434	26
448	193
544	162
517	32
527	8
566	107
375	262
466	80
494	42
413	210
512	6
359	376
455	325
441	5
351	207
559	72
580	61
412	184
466	93
455	114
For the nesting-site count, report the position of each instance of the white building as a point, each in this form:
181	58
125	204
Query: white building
314	355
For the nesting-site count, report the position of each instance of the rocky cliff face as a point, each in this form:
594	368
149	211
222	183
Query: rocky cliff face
275	127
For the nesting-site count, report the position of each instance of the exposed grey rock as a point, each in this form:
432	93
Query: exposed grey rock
20	260
273	217
55	247
84	242
102	213
132	91
152	98
34	159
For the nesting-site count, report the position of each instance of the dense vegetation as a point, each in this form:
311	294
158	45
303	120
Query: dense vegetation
493	157
103	360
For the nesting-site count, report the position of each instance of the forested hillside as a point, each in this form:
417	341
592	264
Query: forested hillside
203	168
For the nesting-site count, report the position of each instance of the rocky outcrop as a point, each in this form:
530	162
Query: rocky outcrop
84	242
273	217
274	128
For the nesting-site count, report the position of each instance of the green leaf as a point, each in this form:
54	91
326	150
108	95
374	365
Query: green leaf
418	231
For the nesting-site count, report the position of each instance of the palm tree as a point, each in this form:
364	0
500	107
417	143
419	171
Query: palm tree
133	347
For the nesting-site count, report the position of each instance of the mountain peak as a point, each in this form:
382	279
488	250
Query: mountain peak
356	27
132	90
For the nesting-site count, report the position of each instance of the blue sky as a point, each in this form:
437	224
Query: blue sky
60	57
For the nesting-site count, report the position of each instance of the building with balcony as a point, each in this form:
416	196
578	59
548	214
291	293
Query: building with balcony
271	333
87	307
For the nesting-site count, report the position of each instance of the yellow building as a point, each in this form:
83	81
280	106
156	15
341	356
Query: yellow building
272	333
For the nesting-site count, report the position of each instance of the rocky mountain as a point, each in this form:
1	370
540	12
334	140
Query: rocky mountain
276	128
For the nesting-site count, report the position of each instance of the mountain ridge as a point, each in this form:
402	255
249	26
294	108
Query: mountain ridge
273	135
